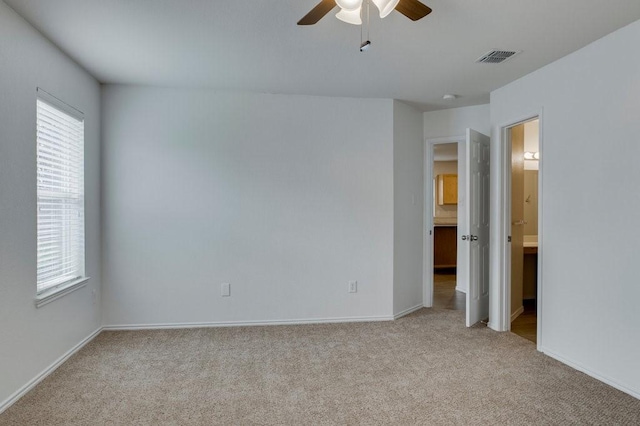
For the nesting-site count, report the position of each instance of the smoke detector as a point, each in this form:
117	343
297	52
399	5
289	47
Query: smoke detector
496	56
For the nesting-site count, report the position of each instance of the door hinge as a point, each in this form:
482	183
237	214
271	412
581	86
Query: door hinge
509	239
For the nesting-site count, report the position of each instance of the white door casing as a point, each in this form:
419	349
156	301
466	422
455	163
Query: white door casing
427	278
476	230
501	249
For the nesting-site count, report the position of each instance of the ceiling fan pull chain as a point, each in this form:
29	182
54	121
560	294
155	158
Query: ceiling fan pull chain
364	45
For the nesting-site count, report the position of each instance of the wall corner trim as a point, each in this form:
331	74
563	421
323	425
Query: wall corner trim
601	377
4	405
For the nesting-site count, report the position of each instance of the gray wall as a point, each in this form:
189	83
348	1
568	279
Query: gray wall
285	197
589	169
408	194
32	339
455	121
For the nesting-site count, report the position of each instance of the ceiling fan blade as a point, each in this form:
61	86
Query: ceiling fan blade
318	12
413	9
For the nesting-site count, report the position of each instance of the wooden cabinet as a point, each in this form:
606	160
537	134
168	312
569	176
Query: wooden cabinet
447	190
445	246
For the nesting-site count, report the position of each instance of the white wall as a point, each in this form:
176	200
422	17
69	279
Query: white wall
32	339
285	197
408	184
455	121
589	168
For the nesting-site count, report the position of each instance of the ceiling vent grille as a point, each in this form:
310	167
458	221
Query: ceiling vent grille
496	57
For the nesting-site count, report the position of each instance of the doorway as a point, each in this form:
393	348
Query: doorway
524	228
447	293
441	273
471	225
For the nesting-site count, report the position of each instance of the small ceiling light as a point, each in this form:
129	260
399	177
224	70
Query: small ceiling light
385	6
449	97
350	16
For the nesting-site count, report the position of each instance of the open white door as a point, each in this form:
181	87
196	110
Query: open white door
475	236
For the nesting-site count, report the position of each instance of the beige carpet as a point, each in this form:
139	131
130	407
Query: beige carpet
424	369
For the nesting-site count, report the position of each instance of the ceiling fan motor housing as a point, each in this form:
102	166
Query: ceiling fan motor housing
412	9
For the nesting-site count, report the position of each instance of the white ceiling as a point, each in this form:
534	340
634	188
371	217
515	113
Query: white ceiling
255	45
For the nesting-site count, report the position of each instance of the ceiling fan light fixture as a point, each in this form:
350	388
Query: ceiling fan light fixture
350	16
349	5
386	6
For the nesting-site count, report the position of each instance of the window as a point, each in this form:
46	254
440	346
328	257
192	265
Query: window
60	196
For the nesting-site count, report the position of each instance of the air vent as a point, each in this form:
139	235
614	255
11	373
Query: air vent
496	57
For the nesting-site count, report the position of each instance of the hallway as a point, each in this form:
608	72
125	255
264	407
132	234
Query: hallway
445	295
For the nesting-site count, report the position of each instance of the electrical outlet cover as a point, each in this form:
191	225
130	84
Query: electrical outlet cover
225	289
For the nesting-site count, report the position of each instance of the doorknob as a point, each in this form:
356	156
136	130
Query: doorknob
464	238
474	238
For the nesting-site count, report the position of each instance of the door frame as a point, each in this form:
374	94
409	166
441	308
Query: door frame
503	173
427	249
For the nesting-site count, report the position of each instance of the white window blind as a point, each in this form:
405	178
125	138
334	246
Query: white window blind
60	192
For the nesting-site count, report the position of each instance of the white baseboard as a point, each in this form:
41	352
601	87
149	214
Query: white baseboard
407	311
46	372
603	378
461	290
164	326
517	313
493	327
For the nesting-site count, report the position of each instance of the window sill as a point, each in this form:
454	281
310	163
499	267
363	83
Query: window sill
56	293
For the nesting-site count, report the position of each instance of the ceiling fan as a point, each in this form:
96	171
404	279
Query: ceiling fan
351	10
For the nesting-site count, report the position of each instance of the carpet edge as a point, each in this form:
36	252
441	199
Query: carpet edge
598	376
408	311
13	398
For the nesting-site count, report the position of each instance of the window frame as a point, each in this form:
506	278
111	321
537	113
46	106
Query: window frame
56	291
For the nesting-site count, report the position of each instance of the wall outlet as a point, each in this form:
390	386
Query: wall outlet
353	286
225	289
